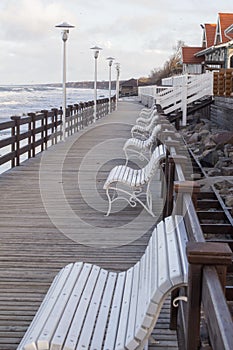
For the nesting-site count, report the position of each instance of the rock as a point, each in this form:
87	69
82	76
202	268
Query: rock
227	171
223	191
195	176
204	133
228	150
194	138
223	184
223	138
209	145
229	201
209	158
223	162
214	172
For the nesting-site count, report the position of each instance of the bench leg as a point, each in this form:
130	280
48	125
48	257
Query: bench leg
109	202
132	201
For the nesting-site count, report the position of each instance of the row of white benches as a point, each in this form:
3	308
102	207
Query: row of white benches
89	308
131	185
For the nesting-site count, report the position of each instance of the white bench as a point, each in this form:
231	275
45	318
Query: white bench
144	131
144	121
89	308
133	183
145	112
142	149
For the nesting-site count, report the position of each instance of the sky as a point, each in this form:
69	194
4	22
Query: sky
139	34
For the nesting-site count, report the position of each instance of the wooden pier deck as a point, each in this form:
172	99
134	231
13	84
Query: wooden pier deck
52	213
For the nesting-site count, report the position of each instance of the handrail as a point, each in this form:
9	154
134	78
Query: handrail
24	137
185	90
206	283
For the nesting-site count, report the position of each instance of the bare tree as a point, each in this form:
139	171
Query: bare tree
172	66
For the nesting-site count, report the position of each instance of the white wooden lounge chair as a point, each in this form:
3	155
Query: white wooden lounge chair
89	308
133	184
142	149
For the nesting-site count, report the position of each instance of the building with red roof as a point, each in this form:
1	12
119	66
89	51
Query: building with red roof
217	47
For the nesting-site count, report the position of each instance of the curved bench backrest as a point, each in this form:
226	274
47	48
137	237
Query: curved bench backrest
158	154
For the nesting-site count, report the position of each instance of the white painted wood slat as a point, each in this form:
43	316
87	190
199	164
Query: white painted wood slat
122	326
81	310
111	333
130	340
91	314
100	327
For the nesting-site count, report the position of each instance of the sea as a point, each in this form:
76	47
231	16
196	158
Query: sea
19	100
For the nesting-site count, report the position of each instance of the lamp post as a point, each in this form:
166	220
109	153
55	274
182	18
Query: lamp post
117	82
110	61
96	50
65	31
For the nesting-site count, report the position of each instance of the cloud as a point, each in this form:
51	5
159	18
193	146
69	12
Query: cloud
28	20
140	34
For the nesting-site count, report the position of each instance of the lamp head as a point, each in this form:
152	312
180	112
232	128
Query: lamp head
110	60
64	25
96	50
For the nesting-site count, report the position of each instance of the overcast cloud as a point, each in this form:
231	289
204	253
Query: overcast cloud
140	34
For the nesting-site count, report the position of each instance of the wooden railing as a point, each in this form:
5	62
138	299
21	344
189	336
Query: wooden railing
223	83
23	137
206	304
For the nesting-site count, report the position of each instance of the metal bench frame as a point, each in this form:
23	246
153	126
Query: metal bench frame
90	308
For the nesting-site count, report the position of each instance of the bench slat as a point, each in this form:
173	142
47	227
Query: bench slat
90	319
81	310
182	239
154	273
143	300
130	341
102	319
174	263
115	312
122	326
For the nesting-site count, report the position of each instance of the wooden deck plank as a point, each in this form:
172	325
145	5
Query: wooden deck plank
52	213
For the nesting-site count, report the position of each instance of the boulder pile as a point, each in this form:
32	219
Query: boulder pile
214	150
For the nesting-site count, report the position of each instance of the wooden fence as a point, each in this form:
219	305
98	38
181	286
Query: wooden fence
23	137
207	293
223	83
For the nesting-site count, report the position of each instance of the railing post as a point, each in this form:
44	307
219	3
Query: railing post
33	133
55	125
170	171
70	119
184	100
190	187
45	128
199	255
76	117
170	176
16	161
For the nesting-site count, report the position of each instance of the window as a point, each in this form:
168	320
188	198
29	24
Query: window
231	61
